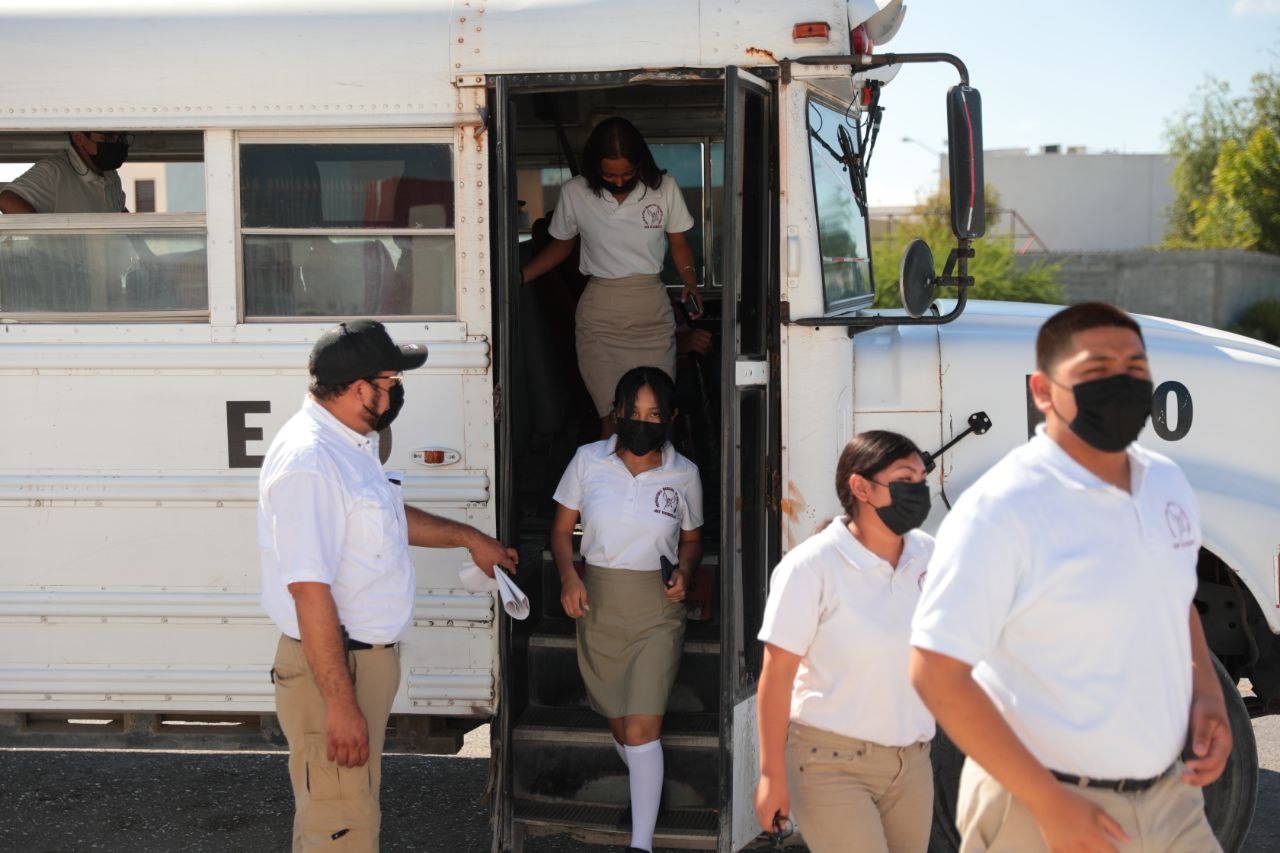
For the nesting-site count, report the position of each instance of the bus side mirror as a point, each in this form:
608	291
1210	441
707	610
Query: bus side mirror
964	156
917	283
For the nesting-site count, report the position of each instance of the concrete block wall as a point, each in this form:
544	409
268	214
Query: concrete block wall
1212	288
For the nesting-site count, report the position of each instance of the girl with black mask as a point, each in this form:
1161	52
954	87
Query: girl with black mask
844	739
640	503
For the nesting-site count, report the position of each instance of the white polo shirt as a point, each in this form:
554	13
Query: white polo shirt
624	239
1071	598
847	614
64	183
630	522
327	513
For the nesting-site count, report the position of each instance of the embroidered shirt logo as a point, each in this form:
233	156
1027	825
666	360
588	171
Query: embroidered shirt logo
1179	525
666	501
651	216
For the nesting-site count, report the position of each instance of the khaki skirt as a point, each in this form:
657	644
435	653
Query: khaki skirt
629	642
623	323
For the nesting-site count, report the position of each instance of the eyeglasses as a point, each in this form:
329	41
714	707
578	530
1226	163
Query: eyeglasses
394	379
107	136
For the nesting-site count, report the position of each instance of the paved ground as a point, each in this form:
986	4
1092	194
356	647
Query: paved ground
54	800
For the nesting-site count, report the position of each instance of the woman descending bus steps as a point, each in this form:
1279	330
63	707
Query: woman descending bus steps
844	739
640	503
622	205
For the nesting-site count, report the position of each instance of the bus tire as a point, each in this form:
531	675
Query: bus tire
1228	802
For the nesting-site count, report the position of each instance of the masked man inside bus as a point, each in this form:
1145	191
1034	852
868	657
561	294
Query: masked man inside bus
337	580
1056	640
81	178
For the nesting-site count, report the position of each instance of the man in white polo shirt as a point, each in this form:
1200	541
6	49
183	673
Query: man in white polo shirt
334	535
1056	641
82	178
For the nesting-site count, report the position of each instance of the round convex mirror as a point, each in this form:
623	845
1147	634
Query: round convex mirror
916	280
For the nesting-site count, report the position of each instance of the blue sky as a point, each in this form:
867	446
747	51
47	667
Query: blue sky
1104	74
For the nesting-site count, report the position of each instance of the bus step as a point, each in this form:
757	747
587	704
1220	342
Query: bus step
688	829
567	755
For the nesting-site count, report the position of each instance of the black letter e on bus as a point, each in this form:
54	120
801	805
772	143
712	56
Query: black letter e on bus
240	434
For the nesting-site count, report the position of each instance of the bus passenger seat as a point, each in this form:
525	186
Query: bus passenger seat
342	279
268	278
168	282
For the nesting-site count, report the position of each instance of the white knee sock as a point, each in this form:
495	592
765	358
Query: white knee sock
622	752
645	763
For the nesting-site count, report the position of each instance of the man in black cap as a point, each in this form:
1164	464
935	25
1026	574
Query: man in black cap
334	535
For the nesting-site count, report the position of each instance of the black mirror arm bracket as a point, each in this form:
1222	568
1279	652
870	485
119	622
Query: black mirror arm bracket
957	261
884	60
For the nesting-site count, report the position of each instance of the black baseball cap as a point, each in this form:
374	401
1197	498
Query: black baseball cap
358	349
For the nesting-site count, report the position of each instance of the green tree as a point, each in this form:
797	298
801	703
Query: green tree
994	267
1195	139
1227	178
1242	209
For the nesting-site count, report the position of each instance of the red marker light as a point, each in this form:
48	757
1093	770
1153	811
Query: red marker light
811	30
861	39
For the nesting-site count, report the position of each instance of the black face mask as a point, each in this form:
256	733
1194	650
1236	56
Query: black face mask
908	507
396	393
641	437
110	155
626	188
1111	412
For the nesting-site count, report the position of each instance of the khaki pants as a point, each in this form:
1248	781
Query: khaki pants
853	796
336	808
1169	816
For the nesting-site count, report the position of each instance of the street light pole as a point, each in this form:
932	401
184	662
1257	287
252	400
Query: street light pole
942	158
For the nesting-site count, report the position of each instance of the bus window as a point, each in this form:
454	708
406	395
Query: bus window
104	265
698	169
842	227
347	228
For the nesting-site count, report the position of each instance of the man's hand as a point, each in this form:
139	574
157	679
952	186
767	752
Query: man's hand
346	735
488	553
1210	728
1072	824
1210	740
772	800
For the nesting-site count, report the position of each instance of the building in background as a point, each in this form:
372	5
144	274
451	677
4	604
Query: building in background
1074	201
163	187
1068	200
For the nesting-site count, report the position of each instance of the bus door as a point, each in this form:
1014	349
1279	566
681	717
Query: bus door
750	453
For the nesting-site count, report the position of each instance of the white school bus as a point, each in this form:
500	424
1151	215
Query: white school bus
308	162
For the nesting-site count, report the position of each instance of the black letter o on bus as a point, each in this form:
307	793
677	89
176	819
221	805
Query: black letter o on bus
1182	410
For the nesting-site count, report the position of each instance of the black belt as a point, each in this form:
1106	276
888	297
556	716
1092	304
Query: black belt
1120	785
351	645
359	646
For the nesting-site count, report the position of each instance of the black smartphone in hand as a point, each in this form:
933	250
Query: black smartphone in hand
668	570
691	303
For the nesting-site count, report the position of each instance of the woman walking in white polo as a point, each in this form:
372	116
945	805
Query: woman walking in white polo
627	211
844	739
640	501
